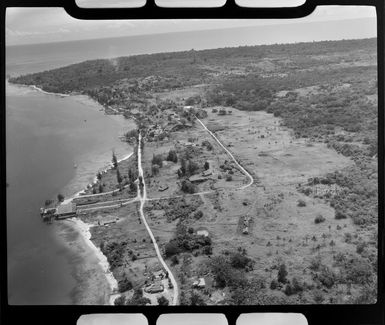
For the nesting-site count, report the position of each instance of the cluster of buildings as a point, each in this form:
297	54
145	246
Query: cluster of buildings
62	211
156	281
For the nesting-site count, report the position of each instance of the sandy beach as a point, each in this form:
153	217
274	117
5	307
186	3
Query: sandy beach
93	268
90	267
68	200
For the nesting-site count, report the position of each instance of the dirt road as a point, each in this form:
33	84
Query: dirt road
251	179
143	198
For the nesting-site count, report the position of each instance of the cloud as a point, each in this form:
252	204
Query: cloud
40	25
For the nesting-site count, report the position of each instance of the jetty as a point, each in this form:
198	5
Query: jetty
62	211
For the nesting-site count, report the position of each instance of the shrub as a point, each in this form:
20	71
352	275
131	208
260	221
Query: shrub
273	284
60	197
288	290
124	285
318	297
155	170
360	248
162	301
319	218
239	261
282	274
120	301
171	249
188	187
315	264
172	156
192	167
340	215
198	215
296	286
208	250
359	271
174	260
301	203
229	178
157	160
326	277
207	144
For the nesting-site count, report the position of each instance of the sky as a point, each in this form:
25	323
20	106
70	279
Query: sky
112	319
192	319
45	25
272	319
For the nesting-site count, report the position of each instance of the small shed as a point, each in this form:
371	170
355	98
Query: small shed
159	274
200	283
197	179
108	220
207	173
154	288
163	188
203	232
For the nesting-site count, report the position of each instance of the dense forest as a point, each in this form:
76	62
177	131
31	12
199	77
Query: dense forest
185	68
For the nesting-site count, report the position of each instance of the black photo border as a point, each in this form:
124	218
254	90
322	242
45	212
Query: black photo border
315	314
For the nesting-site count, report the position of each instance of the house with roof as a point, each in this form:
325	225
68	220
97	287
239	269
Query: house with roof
197	179
66	210
200	283
154	288
163	188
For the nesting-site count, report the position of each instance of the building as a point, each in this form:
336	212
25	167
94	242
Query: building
200	283
159	275
162	188
197	179
207	173
154	288
202	232
66	210
105	221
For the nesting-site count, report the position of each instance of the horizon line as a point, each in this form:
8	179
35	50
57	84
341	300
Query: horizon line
199	30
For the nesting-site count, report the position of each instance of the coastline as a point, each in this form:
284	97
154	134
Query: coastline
94	181
96	284
48	93
84	230
76	235
90	277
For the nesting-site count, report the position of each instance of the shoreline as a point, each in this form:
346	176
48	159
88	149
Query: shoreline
83	229
94	181
46	92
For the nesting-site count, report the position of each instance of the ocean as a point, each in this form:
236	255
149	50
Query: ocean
46	135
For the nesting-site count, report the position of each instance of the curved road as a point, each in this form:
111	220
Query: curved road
230	154
143	198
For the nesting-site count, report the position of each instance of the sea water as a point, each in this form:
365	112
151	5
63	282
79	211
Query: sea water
46	137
